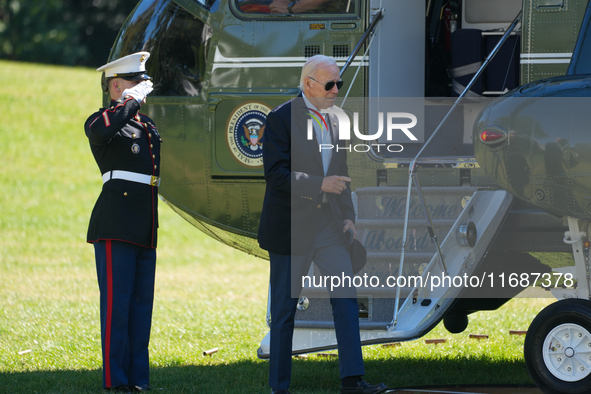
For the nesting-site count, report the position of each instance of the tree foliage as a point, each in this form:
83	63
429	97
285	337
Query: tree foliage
69	32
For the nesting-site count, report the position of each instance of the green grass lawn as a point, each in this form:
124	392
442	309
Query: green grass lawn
207	294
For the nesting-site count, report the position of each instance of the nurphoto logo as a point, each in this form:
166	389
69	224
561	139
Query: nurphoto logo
393	125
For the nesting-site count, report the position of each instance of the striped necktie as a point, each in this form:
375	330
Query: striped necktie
326	153
326	140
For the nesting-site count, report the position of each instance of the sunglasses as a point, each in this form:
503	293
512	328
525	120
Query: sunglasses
329	85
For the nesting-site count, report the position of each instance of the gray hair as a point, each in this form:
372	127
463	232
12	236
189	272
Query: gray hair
312	65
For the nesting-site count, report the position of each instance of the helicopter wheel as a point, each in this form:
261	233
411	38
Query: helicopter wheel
557	348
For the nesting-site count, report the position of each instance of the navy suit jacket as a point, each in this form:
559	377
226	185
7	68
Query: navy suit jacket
294	174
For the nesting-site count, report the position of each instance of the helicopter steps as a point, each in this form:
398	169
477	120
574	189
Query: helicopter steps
380	223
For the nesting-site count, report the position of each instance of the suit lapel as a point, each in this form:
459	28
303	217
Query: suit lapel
300	114
334	132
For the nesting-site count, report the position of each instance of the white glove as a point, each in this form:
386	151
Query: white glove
139	91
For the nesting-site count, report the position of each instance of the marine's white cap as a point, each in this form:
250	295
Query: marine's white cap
131	67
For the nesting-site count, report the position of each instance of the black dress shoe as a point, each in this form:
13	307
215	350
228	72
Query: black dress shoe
286	391
120	389
364	388
141	388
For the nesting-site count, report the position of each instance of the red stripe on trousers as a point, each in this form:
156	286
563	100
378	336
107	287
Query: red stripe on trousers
109	314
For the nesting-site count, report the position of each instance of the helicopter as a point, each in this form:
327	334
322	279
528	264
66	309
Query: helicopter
498	166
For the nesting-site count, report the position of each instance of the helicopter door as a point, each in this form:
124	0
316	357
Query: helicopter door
396	68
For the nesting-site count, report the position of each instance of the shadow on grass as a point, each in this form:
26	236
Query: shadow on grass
312	375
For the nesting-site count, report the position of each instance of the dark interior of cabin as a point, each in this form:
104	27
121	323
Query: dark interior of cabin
460	34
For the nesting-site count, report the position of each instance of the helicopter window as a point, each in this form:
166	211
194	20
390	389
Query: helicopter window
177	42
285	7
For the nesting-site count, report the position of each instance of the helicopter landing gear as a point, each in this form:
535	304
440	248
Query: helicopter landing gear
558	348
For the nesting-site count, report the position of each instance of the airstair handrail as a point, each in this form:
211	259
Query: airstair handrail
412	168
486	62
377	17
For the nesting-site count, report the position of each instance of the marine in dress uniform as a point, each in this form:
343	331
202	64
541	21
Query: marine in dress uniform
124	222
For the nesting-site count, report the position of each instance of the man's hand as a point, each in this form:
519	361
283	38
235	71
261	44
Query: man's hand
140	91
349	225
279	6
334	184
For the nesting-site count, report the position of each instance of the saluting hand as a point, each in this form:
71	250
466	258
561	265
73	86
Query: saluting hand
140	91
334	184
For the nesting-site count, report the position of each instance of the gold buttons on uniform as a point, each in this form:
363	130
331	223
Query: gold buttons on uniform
153	156
155	167
319	206
151	146
133	135
125	194
150	135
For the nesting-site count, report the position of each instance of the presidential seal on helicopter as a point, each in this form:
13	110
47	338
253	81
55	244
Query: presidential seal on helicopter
245	130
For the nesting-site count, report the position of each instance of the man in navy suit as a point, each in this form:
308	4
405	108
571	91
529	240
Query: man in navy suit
124	222
307	212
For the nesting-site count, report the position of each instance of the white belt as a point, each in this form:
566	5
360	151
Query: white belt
132	176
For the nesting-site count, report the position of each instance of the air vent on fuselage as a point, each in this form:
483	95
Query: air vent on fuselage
311	50
340	51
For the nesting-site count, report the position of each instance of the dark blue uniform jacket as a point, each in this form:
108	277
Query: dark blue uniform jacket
122	139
